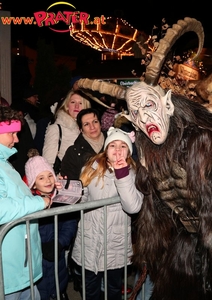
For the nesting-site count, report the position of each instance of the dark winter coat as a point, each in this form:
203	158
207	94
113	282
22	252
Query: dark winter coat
67	227
32	110
76	157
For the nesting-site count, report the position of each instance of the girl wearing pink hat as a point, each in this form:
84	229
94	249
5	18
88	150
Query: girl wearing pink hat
41	179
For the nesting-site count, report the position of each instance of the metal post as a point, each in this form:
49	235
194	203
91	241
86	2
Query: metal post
5	58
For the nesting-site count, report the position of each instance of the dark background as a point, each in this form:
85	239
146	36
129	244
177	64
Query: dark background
141	15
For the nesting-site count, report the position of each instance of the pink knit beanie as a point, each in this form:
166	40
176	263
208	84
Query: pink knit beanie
34	166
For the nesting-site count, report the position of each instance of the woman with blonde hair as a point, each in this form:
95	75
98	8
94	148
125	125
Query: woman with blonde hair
65	116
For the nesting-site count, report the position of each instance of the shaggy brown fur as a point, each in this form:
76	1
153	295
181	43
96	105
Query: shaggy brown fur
179	172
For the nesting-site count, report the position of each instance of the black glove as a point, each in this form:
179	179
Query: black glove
48	250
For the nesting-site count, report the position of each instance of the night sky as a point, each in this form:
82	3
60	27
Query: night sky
142	17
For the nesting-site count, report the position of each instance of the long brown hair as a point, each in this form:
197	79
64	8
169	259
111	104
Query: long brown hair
89	173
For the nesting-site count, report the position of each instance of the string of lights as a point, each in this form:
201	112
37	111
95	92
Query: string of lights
114	38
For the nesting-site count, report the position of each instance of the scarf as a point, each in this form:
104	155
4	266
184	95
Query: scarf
95	144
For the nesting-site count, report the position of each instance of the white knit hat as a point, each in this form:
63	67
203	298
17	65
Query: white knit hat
34	166
114	134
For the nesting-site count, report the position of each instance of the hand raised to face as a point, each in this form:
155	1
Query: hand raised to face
120	161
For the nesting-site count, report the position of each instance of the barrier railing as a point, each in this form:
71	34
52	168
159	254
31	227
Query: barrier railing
82	207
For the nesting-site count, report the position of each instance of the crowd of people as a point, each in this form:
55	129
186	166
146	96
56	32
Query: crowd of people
91	150
155	159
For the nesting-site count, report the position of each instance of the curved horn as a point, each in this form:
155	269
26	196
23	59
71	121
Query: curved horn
188	24
103	87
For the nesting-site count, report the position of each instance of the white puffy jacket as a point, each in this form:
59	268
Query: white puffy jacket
131	202
70	132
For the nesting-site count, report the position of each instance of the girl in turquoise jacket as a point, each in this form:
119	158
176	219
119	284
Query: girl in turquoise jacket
17	201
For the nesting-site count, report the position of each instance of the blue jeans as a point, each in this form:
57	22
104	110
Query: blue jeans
23	295
93	284
146	290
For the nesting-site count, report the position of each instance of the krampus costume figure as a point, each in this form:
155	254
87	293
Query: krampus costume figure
174	225
174	143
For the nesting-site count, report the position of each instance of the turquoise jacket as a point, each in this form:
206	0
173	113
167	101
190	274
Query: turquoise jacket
16	201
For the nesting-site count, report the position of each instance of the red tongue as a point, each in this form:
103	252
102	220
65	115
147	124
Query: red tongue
151	129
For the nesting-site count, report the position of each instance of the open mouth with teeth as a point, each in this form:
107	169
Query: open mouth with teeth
151	128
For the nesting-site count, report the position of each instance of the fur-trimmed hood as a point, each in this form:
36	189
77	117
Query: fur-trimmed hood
70	132
65	120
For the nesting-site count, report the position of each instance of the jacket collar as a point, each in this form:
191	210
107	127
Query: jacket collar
66	120
6	152
81	143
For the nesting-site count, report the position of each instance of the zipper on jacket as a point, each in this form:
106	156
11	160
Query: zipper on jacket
26	251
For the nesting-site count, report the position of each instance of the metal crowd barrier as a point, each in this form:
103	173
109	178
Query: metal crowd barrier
82	207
